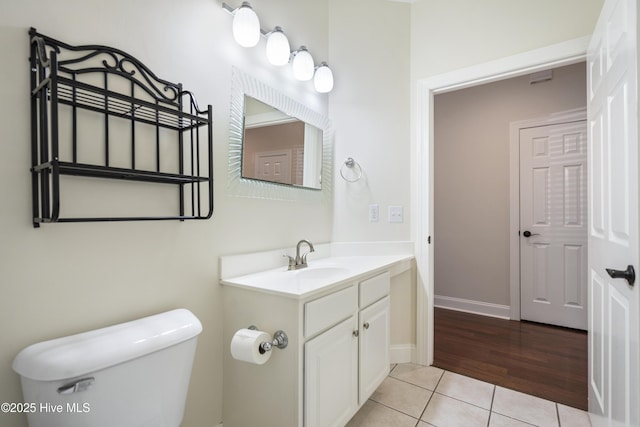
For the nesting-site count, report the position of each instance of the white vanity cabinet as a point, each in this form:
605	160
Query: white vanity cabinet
338	353
344	365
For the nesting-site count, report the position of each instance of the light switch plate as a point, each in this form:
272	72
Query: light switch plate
374	213
395	214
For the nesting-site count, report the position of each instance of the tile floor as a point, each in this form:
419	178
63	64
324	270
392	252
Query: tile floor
425	396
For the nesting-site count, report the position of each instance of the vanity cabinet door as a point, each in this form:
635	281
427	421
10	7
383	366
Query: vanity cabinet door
331	376
374	347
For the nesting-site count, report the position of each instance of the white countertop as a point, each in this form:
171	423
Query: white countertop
321	275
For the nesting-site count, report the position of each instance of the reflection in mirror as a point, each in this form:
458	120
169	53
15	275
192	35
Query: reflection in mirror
280	148
317	169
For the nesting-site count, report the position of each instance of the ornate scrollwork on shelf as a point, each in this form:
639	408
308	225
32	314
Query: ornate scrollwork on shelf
116	62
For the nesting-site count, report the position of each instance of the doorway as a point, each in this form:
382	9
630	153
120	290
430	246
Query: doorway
473	183
562	54
472	150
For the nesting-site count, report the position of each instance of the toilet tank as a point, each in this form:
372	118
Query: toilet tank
134	374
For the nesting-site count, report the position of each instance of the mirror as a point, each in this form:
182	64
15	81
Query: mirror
279	148
254	104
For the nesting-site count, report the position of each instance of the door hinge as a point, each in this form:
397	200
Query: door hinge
429	240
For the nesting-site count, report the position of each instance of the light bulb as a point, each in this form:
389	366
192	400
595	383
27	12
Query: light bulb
323	79
278	49
246	26
302	64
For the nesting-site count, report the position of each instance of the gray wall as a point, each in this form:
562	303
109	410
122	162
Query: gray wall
472	177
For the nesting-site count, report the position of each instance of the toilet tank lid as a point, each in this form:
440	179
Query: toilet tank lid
91	351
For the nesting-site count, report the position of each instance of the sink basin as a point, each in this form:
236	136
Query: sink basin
311	277
320	273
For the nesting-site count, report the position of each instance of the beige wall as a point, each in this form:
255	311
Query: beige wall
447	35
472	177
67	278
369	108
369	48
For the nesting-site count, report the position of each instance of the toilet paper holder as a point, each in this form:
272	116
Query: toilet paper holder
280	340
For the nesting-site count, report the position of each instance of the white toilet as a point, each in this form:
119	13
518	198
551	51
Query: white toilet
134	374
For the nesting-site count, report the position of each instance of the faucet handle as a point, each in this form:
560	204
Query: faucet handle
292	261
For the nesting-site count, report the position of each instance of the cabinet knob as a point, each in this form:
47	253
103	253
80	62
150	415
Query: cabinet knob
366	325
356	333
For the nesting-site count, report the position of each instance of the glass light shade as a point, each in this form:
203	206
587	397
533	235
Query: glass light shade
302	65
323	79
278	49
246	26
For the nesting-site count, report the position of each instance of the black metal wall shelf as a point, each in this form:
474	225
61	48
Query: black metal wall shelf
119	92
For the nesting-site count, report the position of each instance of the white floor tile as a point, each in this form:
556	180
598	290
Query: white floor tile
443	411
402	396
572	417
498	420
422	376
467	389
374	414
524	407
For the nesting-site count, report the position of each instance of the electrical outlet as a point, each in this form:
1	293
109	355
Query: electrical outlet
395	214
374	213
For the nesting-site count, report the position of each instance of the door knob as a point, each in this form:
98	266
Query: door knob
527	233
629	274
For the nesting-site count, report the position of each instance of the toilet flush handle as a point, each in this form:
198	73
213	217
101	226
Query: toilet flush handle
77	385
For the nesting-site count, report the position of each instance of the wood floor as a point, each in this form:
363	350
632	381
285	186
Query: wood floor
541	360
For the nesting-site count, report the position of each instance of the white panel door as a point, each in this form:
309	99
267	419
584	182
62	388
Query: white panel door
613	217
553	224
273	166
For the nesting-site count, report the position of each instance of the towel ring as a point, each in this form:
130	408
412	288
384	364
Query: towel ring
350	163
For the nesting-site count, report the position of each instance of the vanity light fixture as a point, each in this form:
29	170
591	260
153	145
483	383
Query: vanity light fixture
323	78
302	64
278	48
247	32
246	26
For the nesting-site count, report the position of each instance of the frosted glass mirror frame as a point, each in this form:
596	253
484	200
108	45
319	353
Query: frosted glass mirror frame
245	85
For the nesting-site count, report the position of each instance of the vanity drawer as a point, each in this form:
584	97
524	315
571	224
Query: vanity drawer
327	311
375	288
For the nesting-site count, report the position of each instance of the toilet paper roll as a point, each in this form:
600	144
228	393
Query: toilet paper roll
245	346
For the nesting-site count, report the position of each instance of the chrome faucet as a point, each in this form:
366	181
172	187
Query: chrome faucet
300	261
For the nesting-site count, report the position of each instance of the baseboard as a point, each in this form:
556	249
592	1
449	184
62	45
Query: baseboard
475	307
402	353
